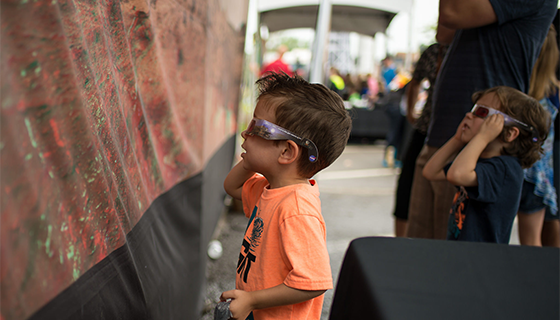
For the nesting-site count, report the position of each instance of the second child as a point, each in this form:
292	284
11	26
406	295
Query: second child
502	134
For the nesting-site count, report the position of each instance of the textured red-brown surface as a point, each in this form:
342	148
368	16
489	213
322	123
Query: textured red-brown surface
104	106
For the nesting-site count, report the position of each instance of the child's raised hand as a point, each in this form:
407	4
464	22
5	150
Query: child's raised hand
491	127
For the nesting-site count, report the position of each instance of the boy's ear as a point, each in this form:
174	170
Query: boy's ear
512	134
290	152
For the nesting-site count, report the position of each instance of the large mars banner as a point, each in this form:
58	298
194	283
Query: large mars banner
117	123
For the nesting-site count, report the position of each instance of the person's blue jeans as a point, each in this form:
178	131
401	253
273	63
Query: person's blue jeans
396	126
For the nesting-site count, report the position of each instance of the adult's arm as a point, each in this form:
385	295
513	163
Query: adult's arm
466	14
444	35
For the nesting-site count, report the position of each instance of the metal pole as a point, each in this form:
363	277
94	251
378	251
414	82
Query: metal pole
321	34
411	19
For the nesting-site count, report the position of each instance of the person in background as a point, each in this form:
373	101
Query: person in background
390	103
350	86
283	269
336	82
427	67
503	133
278	65
496	43
551	226
539	194
388	70
374	88
362	80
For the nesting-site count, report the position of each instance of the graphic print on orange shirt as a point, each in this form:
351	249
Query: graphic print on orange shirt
247	254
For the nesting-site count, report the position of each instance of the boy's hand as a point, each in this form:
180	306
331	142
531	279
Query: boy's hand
491	127
460	130
241	303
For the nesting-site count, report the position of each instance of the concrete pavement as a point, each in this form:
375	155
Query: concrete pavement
357	199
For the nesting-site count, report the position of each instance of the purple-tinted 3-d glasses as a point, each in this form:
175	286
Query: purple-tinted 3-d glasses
484	111
270	131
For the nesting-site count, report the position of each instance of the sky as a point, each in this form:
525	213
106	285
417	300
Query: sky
424	15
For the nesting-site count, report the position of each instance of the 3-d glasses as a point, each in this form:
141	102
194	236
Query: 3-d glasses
270	131
484	111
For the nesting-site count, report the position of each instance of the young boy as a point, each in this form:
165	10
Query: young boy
502	134
297	130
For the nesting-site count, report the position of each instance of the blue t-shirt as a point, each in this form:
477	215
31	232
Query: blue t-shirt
499	54
388	74
485	213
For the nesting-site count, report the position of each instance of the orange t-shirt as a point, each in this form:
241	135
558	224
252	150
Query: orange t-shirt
285	242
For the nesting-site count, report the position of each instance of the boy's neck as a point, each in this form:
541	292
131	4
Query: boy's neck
285	175
279	182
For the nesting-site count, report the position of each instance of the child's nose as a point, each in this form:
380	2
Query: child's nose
244	134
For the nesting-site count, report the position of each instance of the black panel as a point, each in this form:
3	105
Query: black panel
159	272
213	195
373	124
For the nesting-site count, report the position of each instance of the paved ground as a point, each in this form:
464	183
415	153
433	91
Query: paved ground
357	198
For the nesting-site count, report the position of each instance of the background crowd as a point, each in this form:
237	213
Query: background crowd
436	93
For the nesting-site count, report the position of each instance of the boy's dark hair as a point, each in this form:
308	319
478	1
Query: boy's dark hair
311	111
521	107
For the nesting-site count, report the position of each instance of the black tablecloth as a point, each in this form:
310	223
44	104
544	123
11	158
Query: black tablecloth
397	278
369	123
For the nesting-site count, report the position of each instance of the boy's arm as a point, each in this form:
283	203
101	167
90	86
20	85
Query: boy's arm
433	170
243	302
233	184
461	172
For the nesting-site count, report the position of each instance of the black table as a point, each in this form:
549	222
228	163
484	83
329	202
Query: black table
398	278
368	123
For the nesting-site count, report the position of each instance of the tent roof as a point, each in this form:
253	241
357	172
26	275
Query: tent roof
362	16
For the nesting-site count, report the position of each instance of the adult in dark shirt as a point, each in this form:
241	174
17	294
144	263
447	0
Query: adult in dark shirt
496	43
427	68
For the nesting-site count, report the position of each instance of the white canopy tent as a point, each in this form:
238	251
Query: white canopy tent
362	16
